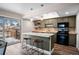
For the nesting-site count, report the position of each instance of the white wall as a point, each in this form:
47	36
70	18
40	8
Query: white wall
27	26
77	30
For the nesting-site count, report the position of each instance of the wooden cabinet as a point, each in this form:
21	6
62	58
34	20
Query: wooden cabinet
72	40
52	22
42	24
72	21
62	19
46	21
55	38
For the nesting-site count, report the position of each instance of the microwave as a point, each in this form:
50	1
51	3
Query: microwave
63	25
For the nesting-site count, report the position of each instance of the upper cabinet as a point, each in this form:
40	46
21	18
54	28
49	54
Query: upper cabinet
52	23
42	24
46	21
72	21
62	19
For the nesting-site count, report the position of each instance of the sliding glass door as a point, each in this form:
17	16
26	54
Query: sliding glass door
2	28
9	28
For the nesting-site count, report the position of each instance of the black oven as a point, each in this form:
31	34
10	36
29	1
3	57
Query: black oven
63	38
63	33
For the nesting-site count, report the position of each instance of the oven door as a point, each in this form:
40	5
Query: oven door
62	39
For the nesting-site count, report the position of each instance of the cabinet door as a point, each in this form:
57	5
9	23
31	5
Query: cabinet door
72	21
54	22
51	22
46	21
43	23
64	19
72	40
59	20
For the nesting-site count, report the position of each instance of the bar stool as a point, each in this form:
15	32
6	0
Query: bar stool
28	41
25	42
38	43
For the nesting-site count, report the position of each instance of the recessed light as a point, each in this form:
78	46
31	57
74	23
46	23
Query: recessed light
66	12
31	8
42	5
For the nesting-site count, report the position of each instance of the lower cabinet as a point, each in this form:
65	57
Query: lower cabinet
55	38
72	40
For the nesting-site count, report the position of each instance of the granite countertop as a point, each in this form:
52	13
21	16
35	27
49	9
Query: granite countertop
38	34
45	30
71	31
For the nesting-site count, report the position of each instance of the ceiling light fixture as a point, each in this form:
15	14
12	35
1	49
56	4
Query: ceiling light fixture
47	15
50	15
67	13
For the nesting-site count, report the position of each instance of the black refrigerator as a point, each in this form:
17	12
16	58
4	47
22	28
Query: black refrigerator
63	33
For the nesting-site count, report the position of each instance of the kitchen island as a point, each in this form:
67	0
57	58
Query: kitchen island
48	43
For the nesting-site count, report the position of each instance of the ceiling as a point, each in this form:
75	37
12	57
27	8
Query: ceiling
24	9
20	8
